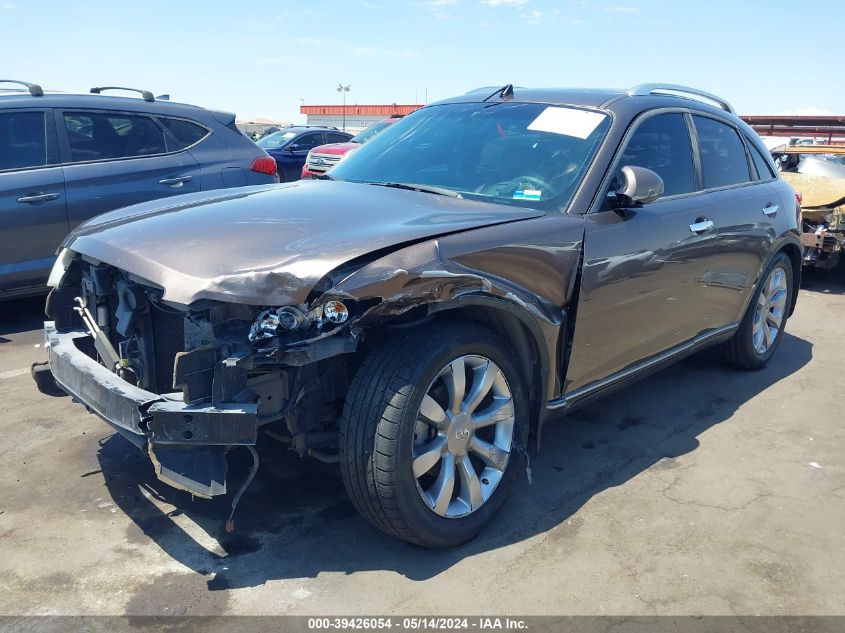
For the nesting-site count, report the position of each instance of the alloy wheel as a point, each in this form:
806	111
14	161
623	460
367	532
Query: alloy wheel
463	436
771	307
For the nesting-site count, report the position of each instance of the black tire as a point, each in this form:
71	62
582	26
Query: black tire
740	351
377	431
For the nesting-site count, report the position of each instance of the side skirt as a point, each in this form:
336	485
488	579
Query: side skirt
605	386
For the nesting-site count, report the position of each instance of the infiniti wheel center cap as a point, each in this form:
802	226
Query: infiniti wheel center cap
459	434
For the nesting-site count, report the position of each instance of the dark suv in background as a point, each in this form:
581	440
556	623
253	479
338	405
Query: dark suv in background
67	157
290	146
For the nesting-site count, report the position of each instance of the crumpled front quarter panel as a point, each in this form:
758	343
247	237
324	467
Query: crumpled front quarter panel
531	264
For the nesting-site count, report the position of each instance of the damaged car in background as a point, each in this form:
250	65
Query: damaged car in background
482	265
817	172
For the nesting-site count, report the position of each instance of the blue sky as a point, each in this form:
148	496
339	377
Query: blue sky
263	58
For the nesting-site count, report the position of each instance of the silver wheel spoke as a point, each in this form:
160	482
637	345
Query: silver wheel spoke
440	493
771	307
470	485
456	384
490	454
500	411
482	381
767	335
445	436
778	298
429	455
432	413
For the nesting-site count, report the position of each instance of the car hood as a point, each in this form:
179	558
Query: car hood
335	148
270	245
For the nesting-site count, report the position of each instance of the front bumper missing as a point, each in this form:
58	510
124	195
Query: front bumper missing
186	443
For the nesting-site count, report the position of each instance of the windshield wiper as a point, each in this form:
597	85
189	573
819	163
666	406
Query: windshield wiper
440	191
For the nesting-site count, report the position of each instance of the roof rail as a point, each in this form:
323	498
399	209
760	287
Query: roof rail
34	89
146	94
686	92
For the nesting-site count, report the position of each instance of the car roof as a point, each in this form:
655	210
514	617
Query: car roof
23	99
596	97
591	97
310	128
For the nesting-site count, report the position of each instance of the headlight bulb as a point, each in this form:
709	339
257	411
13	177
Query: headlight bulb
335	312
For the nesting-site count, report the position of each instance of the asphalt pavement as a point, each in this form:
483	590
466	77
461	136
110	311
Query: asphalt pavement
701	490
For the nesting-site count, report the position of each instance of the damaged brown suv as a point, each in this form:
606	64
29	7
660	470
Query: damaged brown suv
417	314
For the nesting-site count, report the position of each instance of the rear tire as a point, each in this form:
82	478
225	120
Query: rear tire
413	419
761	329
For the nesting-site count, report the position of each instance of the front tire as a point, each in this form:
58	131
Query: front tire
761	329
433	434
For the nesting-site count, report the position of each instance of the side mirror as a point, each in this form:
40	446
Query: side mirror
640	185
293	147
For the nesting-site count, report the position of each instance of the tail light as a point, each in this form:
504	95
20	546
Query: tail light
799	197
264	165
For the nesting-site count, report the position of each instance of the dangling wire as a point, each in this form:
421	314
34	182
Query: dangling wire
230	524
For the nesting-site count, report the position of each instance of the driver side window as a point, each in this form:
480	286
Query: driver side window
662	144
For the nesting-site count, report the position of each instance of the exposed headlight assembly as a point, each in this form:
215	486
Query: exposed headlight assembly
335	312
274	321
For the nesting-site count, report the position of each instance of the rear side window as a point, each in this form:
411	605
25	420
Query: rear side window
764	171
309	141
184	133
662	144
333	137
723	158
103	135
23	140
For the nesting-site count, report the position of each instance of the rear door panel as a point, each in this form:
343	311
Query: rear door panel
101	185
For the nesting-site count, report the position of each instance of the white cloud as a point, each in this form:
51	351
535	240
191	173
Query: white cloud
274	61
316	41
284	17
8	6
621	9
439	8
504	3
378	51
532	18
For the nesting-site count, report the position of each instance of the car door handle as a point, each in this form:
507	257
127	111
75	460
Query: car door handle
39	197
770	209
178	181
700	226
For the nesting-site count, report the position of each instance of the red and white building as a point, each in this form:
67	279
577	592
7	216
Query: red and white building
353	118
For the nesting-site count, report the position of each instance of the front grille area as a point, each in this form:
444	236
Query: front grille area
145	334
168	339
322	162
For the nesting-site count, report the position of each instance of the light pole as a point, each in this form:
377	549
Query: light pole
343	90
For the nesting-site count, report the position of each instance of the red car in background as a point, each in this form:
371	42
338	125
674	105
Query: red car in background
323	157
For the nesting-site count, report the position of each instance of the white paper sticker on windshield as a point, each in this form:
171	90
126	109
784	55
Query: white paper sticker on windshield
527	194
567	121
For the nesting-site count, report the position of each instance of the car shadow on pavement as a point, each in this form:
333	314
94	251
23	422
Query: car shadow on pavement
295	520
21	315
